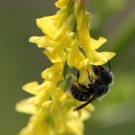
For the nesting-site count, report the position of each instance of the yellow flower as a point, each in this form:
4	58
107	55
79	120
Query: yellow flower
38	124
55	73
76	59
67	44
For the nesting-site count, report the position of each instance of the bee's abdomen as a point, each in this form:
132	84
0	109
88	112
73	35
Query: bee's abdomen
79	95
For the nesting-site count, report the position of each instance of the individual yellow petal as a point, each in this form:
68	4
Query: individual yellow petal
62	3
47	26
27	106
54	73
36	89
95	44
75	57
44	42
45	86
31	87
108	55
83	77
99	58
54	18
57	55
38	40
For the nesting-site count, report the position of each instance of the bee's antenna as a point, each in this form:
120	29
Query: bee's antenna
78	75
109	64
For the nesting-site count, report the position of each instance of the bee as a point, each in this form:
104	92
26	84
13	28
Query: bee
96	88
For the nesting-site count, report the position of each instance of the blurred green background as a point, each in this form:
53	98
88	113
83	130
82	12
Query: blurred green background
21	62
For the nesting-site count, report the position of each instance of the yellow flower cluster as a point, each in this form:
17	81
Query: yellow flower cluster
67	44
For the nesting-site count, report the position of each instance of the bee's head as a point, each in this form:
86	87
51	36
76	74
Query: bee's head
103	74
97	69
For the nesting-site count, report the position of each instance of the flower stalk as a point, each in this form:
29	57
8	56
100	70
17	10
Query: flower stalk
68	45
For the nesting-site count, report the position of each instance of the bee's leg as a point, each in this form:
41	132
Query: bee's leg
89	77
78	75
109	65
83	105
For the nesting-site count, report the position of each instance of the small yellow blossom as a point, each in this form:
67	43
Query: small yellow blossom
67	44
76	58
54	73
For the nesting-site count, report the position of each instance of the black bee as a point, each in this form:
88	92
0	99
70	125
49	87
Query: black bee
95	89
